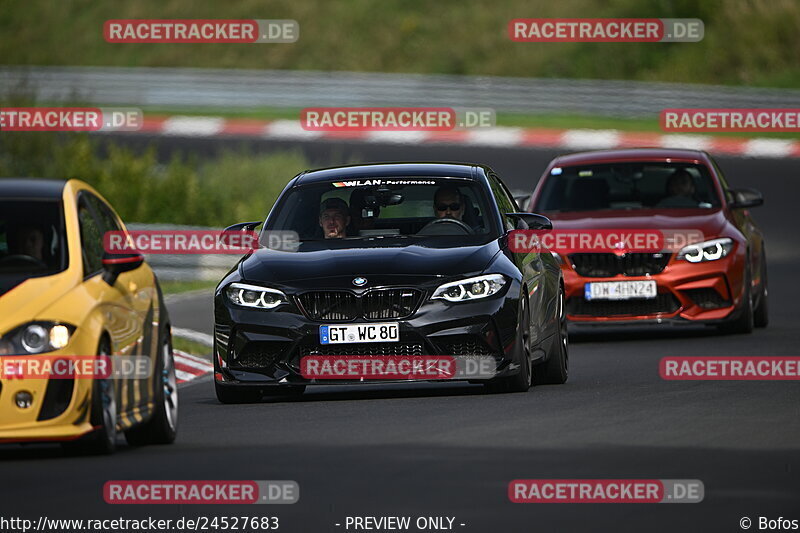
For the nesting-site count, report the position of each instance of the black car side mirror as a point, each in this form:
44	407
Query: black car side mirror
116	264
236	228
743	198
241	226
531	221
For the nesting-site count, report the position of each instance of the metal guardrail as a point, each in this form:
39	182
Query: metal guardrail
240	89
183	267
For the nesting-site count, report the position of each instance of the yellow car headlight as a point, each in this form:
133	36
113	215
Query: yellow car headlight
36	337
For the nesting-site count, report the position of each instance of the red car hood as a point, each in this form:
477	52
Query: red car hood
710	222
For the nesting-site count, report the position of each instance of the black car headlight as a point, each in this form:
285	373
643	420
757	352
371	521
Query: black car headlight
470	288
36	337
254	296
706	251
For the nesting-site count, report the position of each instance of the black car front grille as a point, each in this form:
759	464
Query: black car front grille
707	298
389	303
375	304
365	349
608	265
664	303
330	305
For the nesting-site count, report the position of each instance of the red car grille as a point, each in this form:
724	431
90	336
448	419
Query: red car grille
609	265
664	303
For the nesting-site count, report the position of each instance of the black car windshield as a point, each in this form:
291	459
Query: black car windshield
32	242
373	208
628	186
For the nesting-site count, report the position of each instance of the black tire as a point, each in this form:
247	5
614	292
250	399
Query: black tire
232	394
162	428
555	370
522	380
103	440
744	323
761	312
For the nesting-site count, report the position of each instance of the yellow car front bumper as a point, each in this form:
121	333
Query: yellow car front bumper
60	410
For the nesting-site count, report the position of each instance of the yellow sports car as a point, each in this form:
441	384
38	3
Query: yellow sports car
61	294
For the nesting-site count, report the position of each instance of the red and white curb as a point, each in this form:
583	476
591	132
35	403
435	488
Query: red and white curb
189	367
574	140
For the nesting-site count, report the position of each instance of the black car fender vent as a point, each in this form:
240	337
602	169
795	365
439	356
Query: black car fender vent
258	356
465	346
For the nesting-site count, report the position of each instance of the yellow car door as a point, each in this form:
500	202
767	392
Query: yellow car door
127	305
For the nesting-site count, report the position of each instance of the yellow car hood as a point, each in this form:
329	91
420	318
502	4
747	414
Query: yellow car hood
27	300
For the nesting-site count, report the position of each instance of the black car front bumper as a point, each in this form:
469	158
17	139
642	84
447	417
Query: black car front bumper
264	348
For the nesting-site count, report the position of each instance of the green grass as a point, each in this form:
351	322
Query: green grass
747	42
185	345
234	186
178	287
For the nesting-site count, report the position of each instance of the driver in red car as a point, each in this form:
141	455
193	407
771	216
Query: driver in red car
448	203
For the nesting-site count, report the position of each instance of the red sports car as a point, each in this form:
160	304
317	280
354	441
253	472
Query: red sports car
721	280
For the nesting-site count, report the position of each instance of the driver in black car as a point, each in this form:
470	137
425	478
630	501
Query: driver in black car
448	203
334	216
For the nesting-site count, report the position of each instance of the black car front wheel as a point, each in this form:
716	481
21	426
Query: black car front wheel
522	380
555	370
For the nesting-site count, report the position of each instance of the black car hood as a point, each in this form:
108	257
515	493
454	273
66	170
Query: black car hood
427	259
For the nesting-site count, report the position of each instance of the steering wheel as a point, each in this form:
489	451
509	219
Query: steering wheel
435	226
22	260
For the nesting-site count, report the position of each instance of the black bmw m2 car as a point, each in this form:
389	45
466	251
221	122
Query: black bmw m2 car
397	259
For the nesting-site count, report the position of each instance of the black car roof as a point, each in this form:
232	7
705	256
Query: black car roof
455	170
31	188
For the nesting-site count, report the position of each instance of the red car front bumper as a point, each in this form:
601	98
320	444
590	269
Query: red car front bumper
696	292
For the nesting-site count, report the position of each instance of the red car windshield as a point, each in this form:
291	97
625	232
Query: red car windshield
628	186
